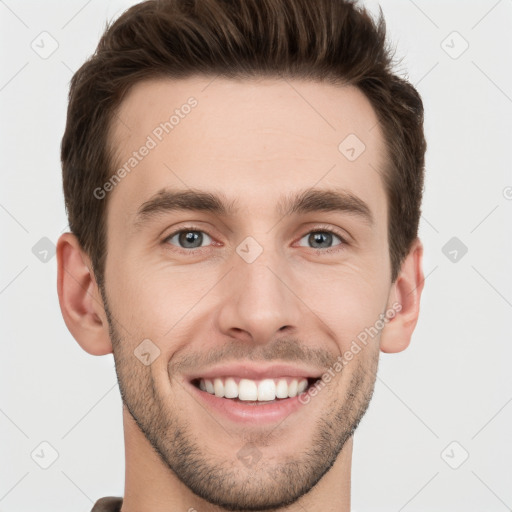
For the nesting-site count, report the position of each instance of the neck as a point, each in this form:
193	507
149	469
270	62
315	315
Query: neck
150	486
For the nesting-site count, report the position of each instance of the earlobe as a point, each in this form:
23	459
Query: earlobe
406	293
80	301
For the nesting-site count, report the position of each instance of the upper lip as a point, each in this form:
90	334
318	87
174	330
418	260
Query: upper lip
255	372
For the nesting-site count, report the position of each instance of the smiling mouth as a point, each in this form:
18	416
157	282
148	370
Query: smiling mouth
255	391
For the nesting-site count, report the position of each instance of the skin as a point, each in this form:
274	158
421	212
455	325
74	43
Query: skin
252	140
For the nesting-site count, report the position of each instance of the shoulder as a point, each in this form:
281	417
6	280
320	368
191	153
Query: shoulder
108	504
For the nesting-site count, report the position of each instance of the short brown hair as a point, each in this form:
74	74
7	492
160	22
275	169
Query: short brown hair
331	40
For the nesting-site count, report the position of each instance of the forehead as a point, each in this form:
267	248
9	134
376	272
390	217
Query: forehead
251	139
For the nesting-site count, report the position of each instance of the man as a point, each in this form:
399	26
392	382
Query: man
243	183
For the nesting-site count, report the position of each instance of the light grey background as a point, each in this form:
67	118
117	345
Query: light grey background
452	384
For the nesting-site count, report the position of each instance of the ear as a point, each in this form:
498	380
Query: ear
406	291
80	300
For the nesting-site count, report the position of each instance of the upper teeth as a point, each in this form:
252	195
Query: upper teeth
246	389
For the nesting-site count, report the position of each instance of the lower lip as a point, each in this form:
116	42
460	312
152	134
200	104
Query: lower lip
240	412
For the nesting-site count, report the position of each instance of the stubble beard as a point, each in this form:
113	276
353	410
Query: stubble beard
268	485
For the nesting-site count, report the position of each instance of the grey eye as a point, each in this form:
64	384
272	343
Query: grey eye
188	238
321	239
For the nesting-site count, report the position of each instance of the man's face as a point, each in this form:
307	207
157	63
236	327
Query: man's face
256	292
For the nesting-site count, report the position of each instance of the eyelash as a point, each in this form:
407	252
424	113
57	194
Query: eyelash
319	229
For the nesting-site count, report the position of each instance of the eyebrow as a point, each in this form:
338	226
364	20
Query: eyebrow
302	202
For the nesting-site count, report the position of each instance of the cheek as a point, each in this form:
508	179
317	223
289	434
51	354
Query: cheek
160	303
348	302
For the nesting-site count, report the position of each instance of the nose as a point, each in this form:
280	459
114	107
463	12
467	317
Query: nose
259	300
